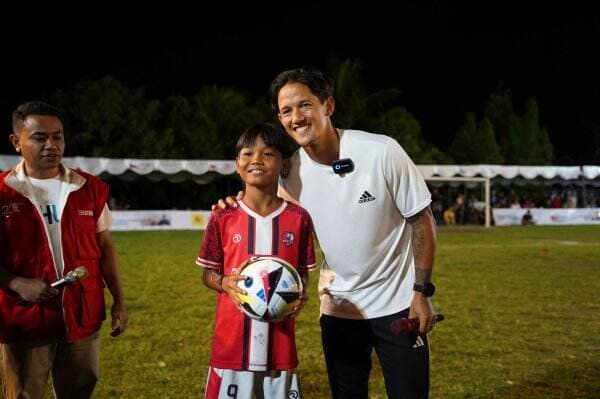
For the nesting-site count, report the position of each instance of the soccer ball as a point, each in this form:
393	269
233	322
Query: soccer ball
273	287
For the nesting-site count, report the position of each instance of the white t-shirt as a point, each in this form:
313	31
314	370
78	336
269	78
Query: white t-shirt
51	195
360	222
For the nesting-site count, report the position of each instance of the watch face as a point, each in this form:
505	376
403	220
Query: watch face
429	289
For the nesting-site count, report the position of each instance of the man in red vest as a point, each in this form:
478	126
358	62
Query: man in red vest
52	220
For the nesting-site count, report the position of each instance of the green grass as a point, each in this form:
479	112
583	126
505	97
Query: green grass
523	318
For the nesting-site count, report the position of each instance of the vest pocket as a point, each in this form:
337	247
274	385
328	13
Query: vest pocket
92	302
85	233
20	231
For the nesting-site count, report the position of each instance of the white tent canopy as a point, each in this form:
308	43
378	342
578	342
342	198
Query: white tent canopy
590	172
203	171
504	171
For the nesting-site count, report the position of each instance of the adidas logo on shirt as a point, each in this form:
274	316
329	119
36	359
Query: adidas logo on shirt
366	197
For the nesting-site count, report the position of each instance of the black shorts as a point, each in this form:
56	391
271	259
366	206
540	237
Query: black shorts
348	345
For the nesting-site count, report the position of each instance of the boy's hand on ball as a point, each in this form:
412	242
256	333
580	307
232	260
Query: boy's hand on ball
231	288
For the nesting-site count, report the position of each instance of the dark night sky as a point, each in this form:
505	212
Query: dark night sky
445	59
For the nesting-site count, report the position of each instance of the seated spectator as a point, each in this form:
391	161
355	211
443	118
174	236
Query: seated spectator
449	216
514	201
571	199
459	208
555	201
527	218
437	206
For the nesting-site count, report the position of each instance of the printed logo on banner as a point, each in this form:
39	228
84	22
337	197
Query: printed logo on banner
198	220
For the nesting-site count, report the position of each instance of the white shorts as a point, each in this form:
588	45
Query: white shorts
234	384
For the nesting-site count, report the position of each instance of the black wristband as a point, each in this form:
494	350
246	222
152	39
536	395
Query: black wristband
427	289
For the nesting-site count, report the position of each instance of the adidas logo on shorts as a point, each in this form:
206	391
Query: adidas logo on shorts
419	342
366	197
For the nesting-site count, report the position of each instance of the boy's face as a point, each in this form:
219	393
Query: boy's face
259	165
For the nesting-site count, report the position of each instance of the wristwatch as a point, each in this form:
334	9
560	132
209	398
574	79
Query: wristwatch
427	289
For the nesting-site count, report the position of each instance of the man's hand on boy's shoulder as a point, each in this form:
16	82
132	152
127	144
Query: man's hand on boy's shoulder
229	202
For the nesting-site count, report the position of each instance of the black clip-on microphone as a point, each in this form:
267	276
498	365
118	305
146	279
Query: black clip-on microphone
343	166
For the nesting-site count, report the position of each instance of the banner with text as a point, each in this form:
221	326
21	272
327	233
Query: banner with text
546	216
159	220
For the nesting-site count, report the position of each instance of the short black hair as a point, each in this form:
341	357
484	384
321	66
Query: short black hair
33	108
319	84
272	135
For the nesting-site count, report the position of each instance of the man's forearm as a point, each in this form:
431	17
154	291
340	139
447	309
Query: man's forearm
113	281
112	277
110	272
423	244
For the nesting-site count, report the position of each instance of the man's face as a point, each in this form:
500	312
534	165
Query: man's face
303	115
41	142
259	165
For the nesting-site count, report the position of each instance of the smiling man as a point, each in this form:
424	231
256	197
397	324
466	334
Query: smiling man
376	230
53	220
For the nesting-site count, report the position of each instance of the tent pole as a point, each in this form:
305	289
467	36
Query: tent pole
488	209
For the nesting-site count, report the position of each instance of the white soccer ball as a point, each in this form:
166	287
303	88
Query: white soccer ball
273	287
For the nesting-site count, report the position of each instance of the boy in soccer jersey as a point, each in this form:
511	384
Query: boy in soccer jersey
252	358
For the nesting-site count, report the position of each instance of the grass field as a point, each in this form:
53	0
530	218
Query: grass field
523	318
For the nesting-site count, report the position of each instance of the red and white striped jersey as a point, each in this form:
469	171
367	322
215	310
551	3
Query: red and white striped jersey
232	236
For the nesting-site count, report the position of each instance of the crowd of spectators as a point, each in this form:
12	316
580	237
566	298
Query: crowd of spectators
463	206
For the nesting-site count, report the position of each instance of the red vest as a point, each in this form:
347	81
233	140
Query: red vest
25	251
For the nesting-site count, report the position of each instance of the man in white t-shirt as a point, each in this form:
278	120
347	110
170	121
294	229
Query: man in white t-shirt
370	208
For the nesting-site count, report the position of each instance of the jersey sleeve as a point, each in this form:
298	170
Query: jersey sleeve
404	180
306	251
211	255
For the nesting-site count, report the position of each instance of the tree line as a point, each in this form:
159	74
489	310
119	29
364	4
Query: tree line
105	118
